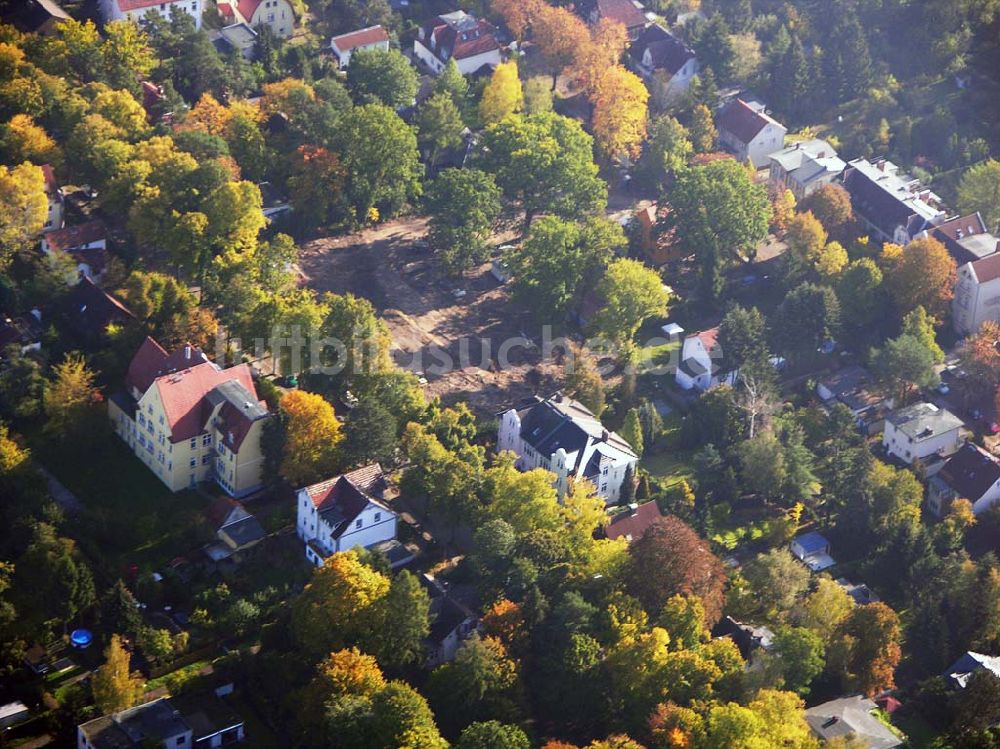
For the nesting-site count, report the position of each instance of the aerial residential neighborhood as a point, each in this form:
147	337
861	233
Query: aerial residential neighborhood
501	374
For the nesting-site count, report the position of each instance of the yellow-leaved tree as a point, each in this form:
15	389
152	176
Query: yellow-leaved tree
503	94
23	208
619	120
116	688
312	435
340	606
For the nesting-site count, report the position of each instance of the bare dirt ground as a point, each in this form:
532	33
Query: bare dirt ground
452	340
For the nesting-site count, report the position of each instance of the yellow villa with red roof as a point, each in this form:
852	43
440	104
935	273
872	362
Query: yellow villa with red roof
190	421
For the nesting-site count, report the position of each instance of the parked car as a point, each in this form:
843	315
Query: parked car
943	388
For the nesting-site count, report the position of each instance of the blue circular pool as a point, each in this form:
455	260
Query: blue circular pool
81	638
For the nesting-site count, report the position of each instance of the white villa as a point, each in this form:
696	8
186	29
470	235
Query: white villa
343	513
561	435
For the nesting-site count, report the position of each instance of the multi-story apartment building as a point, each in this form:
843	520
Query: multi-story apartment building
189	420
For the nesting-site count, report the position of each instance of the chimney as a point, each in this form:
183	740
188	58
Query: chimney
247	405
604	435
634	508
187	352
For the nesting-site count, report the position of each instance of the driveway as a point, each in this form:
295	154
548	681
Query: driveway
63	496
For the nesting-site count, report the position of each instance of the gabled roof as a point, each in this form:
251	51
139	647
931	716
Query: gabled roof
849	715
634	522
987	269
622	11
92	309
73	237
743	121
460	35
970	472
955	235
244	531
152	361
666	50
31	16
220	510
341	499
360	38
811	543
889	199
240	410
183	394
51	185
959	672
146	365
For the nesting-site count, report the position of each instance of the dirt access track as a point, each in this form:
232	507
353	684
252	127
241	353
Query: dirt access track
451	338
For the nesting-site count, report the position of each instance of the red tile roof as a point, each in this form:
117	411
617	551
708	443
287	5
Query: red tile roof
987	269
127	5
360	38
73	237
709	338
219	510
633	523
247	8
96	258
622	11
225	9
743	121
182	394
51	186
146	365
461	46
365	479
350	494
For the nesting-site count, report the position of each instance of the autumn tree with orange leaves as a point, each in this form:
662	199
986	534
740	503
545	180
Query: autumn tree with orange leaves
923	277
605	49
980	357
316	185
560	35
517	14
867	648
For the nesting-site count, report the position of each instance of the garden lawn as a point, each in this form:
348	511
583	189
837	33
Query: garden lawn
129	516
670	467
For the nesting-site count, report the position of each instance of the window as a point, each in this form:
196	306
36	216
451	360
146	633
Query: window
604	487
604	471
358	523
161	419
193	462
206	459
378	516
206	441
142	420
194	442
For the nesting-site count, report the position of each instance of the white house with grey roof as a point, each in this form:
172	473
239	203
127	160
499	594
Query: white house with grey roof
922	432
804	167
665	62
851	716
972	474
561	435
344	513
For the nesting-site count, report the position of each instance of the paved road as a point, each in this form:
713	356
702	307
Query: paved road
63	496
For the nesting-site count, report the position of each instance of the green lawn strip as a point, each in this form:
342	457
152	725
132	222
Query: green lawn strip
670	467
